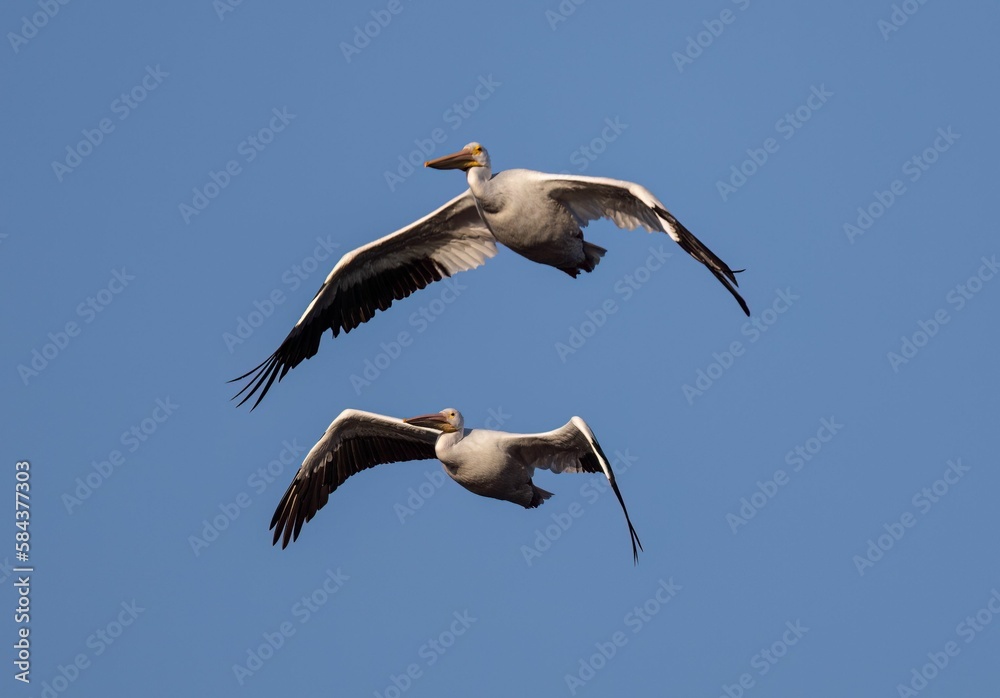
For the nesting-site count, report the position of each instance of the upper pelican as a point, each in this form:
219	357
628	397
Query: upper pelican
538	215
488	463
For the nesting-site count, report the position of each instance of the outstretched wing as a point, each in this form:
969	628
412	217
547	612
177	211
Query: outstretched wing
449	240
629	205
353	442
572	448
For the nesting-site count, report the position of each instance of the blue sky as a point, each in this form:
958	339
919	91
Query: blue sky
815	486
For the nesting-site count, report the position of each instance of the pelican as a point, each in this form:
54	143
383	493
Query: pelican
537	215
488	463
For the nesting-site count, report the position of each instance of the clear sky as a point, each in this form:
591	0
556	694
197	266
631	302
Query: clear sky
815	487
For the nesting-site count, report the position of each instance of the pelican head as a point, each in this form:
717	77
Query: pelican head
472	155
446	421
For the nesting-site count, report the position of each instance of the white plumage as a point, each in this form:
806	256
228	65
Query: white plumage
489	463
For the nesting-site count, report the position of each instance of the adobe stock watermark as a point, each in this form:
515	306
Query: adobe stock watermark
700	42
899	16
430	652
249	148
87	310
635	620
30	26
923	501
786	127
420	320
913	169
365	33
434	478
97	643
454	116
796	459
131	440
623	290
6	570
292	278
303	610
957	298
589	152
590	492
766	659
224	7
753	329
121	106
967	630
563	11
257	483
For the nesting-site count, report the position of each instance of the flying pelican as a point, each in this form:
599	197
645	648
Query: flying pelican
537	215
493	464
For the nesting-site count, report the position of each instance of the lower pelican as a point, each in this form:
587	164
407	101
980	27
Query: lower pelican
489	463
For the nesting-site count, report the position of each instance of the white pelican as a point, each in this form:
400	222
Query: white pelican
488	463
535	214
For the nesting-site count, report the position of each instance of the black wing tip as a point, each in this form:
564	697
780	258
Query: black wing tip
284	515
635	542
618	493
288	524
279	529
287	531
264	374
697	249
252	370
276	519
724	277
631	529
277	535
290	516
739	299
277	524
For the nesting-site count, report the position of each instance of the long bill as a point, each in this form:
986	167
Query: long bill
435	420
461	160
